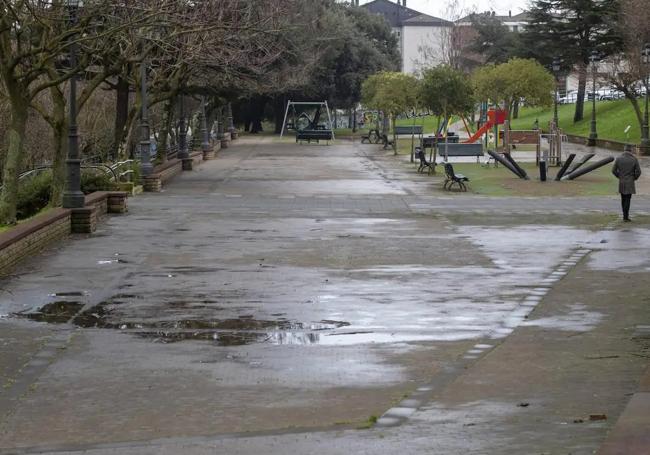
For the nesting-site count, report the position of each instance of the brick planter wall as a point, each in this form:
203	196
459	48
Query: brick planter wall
197	157
162	174
32	236
98	204
84	220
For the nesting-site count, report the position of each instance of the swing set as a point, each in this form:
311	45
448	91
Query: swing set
308	128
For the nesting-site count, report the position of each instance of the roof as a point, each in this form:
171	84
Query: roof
521	17
425	19
399	15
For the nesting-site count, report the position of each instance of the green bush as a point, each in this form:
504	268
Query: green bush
137	174
93	180
33	194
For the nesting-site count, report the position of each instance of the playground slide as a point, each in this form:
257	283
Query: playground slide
481	131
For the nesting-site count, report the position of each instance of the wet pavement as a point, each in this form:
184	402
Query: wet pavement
281	297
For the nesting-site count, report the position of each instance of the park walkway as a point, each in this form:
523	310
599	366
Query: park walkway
281	297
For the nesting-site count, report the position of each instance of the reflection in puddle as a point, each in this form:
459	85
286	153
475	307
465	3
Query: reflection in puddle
235	338
58	312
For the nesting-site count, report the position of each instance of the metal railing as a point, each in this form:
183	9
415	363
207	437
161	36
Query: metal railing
123	169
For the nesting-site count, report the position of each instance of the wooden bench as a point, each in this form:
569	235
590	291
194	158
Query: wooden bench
455	150
424	164
411	129
314	135
453	178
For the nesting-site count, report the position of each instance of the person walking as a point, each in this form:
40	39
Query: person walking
627	170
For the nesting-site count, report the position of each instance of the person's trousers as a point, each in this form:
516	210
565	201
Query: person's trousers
626	199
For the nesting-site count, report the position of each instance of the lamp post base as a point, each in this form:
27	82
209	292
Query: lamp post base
73	199
146	168
644	148
593	136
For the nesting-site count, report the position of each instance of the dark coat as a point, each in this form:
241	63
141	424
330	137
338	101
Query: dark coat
627	170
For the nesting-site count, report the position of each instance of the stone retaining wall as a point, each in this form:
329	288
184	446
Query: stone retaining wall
98	204
161	174
30	237
168	170
603	143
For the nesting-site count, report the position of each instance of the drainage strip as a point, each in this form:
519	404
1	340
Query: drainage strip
399	414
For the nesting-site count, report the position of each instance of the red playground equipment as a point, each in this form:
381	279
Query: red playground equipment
495	117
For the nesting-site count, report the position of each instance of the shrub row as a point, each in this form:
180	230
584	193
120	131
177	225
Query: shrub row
34	192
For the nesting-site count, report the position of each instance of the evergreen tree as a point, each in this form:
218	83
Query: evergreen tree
572	30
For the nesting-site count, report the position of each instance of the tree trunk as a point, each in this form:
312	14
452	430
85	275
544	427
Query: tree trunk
515	110
165	132
580	101
394	118
258	113
124	149
121	113
13	161
278	113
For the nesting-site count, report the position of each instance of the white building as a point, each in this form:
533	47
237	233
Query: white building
421	37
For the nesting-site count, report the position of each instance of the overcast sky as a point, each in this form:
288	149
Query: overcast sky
438	7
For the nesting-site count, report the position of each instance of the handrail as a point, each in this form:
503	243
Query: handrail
103	167
112	170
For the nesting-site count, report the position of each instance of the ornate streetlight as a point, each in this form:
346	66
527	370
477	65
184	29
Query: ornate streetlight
645	133
593	135
183	153
72	195
205	145
231	123
145	143
556	65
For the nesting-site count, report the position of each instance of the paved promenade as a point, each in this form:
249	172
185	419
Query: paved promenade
301	299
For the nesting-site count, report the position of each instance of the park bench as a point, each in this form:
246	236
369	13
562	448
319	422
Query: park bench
455	150
387	142
424	164
372	137
314	135
452	177
411	129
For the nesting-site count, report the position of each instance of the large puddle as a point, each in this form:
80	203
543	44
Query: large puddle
236	331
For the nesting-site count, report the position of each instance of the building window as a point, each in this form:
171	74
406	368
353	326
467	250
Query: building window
515	28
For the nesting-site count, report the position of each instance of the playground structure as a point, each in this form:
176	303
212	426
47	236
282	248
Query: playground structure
495	117
548	147
308	128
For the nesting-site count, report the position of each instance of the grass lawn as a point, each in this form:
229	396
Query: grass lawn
499	181
612	117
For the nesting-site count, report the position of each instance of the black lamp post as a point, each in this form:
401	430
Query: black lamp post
205	145
556	65
645	139
145	143
593	135
182	133
72	195
231	122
